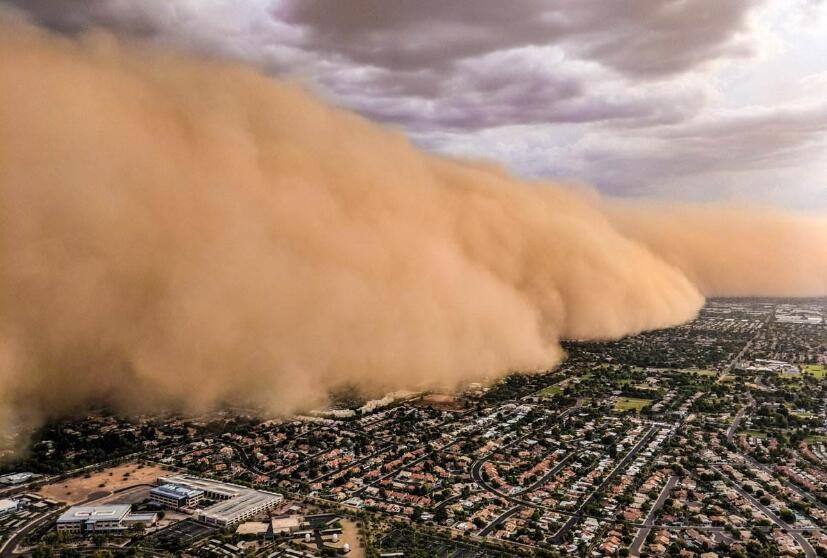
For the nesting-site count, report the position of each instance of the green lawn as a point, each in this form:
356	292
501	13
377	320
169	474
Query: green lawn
644	387
550	390
631	403
755	433
816	370
792	384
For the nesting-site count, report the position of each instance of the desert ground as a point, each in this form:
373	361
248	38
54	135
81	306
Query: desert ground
97	485
350	535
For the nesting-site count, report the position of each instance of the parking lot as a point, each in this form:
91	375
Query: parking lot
186	532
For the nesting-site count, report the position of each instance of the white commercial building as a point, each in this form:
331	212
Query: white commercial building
16	478
7	507
233	503
176	496
102	519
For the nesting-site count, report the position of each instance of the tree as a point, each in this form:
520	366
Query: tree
137	530
787	515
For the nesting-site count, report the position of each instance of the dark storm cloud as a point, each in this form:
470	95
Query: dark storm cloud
632	36
623	93
136	18
508	88
436	63
654	37
635	37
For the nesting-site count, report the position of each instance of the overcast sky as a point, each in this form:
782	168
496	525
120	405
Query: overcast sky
677	99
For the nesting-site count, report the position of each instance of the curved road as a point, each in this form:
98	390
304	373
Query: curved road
502	517
8	547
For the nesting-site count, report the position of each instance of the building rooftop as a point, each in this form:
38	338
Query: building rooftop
252	528
7	505
239	499
176	491
142	516
94	513
229	510
288	522
16	478
194	483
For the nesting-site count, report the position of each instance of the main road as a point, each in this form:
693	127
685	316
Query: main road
8	547
736	422
634	550
572	521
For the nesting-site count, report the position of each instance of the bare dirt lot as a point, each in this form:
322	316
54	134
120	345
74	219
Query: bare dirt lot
350	535
96	485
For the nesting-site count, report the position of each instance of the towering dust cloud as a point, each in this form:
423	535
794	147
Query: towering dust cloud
181	233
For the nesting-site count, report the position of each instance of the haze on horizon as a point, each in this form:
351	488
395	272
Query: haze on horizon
179	232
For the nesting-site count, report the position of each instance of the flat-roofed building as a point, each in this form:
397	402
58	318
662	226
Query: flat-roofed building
286	524
245	506
102	519
252	528
233	503
176	496
146	519
212	490
16	478
7	507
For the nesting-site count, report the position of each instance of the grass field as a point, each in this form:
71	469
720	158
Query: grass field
816	370
792	384
726	378
645	387
550	390
631	404
755	433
